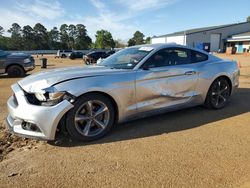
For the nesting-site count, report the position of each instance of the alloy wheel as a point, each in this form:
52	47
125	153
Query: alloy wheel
92	118
220	93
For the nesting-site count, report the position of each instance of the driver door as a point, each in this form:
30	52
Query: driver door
168	78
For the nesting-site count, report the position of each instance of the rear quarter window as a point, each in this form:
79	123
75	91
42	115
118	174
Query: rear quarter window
198	57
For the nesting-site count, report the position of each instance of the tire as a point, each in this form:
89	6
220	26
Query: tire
15	71
84	125
87	62
63	56
218	94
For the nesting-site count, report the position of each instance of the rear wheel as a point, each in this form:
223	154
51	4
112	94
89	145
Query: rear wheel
15	71
63	56
218	94
91	118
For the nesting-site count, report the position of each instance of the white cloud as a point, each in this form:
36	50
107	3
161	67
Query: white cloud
31	12
41	9
8	17
51	13
140	5
115	21
108	20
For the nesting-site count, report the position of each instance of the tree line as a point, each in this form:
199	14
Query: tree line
66	37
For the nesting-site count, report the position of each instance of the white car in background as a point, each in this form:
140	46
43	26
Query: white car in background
63	53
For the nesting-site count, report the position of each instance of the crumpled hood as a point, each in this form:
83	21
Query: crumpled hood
38	81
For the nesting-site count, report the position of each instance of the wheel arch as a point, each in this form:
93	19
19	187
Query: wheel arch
228	80
109	97
13	64
62	126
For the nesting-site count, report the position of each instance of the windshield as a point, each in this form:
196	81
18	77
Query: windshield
127	58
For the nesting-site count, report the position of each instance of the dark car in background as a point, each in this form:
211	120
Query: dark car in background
92	57
75	55
16	64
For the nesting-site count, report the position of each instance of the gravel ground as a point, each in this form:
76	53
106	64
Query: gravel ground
195	147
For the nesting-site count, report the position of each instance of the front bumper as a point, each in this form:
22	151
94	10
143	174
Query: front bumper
45	118
29	67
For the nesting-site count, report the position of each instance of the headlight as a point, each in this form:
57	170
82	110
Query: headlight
27	60
51	96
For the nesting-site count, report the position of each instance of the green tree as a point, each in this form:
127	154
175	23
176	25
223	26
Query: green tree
248	19
82	40
16	37
28	36
148	40
54	39
41	37
104	39
137	39
64	36
119	44
72	33
1	30
5	43
131	42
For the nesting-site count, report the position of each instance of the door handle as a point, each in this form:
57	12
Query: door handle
190	73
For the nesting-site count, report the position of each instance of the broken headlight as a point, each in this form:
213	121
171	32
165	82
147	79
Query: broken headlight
51	96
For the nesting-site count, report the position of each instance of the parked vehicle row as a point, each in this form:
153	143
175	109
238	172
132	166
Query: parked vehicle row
93	57
15	64
76	55
63	53
89	58
135	82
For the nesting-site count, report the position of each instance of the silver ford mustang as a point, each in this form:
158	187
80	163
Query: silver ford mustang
135	82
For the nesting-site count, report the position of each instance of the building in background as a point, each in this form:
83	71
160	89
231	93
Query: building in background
212	39
240	41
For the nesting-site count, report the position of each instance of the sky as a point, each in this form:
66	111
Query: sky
123	17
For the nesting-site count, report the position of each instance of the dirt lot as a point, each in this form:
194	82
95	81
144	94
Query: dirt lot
194	147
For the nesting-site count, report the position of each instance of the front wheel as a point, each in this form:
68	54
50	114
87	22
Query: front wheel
15	71
63	56
91	118
218	94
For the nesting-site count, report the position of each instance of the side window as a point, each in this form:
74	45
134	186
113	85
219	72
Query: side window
98	54
93	55
104	54
169	57
198	57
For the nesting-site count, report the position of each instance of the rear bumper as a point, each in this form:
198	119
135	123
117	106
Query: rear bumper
235	81
44	118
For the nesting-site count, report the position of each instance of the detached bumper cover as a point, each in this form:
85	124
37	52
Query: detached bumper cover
46	118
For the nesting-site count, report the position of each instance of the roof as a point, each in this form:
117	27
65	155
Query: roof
158	46
239	37
197	30
242	34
